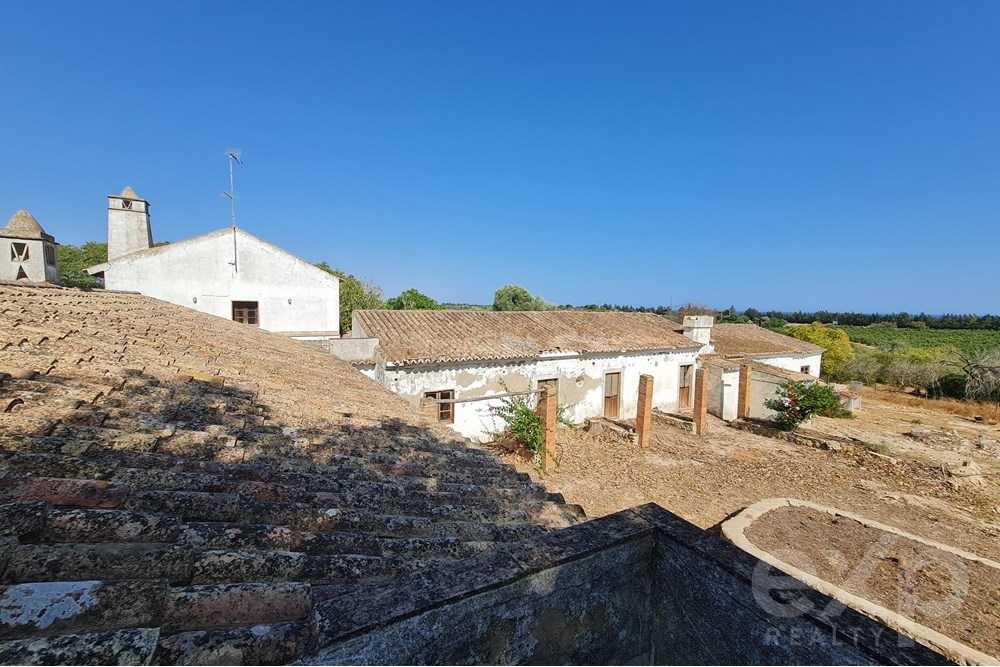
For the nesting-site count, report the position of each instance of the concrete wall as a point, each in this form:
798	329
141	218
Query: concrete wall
581	384
200	273
640	586
352	349
593	610
36	268
792	362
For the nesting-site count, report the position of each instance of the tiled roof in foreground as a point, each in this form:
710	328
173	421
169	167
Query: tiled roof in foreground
429	336
178	488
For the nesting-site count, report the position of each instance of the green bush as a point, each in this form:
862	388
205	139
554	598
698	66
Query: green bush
522	425
795	402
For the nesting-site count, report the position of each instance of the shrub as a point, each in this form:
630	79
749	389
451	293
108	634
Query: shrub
522	425
795	402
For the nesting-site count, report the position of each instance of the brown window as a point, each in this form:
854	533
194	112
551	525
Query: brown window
612	389
805	369
19	252
445	412
50	255
245	312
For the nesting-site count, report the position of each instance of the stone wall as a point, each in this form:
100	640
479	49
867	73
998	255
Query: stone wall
638	587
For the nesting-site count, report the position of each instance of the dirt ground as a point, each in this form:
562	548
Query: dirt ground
955	596
706	479
915	482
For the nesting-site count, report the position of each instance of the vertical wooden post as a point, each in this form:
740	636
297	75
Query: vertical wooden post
547	411
644	411
743	403
701	402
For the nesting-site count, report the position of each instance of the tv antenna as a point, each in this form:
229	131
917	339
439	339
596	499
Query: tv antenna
237	157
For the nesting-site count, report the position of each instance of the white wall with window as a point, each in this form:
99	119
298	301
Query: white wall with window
587	384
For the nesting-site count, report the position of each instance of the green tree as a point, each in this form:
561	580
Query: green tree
355	294
834	341
74	259
411	299
515	297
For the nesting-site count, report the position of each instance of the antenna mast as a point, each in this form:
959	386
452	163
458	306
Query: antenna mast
237	157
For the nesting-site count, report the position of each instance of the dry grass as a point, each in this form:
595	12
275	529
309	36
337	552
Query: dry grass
953	406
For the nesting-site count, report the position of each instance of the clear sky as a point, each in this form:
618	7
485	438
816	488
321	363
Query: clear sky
811	155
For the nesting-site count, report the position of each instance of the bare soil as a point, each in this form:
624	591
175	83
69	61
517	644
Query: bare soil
905	482
955	596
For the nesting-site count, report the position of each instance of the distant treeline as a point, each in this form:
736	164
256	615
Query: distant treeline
902	320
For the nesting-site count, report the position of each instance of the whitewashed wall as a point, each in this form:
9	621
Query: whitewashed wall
792	362
36	268
292	295
723	392
581	384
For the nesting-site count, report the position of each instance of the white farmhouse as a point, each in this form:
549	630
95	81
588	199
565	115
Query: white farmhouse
228	273
33	254
592	360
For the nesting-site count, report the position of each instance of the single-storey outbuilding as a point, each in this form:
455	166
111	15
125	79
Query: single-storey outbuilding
454	362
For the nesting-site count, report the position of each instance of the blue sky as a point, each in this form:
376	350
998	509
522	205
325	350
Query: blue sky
790	155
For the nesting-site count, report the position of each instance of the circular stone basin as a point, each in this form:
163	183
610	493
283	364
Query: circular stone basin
941	596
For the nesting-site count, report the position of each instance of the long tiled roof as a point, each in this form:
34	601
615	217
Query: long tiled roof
737	340
179	488
429	336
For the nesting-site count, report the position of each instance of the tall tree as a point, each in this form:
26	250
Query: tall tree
74	259
355	294
411	299
515	297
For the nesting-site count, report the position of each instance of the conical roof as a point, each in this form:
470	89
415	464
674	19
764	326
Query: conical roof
24	226
129	193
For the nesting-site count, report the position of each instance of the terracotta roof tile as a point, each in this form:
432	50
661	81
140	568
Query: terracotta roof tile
210	513
737	340
425	336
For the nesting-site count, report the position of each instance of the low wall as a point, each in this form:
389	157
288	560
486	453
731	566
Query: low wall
640	586
352	349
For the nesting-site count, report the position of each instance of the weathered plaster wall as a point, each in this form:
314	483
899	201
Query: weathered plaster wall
594	610
792	362
641	586
581	383
36	268
293	295
352	349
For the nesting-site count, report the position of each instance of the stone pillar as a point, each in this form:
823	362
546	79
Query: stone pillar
700	402
547	411
743	404
644	413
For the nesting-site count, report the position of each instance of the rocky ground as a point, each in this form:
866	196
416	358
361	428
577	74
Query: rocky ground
916	482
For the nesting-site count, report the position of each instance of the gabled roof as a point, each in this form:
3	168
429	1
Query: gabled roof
182	246
431	336
177	485
737	340
24	226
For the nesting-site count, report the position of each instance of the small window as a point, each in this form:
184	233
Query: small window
126	203
19	252
50	255
805	369
445	411
245	312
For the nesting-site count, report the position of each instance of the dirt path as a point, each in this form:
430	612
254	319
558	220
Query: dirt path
706	479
